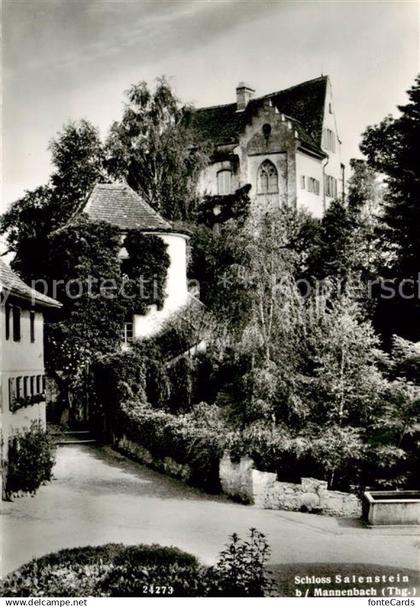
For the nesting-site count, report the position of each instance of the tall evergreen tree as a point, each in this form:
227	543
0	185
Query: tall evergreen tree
393	149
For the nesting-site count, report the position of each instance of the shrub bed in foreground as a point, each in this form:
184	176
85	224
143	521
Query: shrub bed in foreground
115	570
31	459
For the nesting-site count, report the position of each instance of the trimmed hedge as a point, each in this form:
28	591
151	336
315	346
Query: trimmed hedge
194	438
115	570
109	570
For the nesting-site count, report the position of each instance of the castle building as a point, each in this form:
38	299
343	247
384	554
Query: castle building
285	145
121	206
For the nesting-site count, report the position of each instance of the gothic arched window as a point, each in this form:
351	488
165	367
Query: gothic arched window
268	178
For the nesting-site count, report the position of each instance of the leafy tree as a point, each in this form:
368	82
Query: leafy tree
365	192
26	225
339	357
337	254
271	263
153	150
218	259
77	160
77	157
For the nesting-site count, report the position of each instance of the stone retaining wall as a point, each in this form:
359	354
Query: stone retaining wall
243	481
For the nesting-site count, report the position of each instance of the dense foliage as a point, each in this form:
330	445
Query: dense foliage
76	157
30	461
145	268
115	570
218	209
193	438
393	149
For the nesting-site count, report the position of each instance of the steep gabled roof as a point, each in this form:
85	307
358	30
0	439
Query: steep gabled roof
121	206
303	103
10	283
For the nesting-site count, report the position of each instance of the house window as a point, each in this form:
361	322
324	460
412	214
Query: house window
38	384
25	386
224	182
302	182
329	140
18	387
127	333
32	325
8	312
16	324
32	385
313	185
330	186
12	391
268	180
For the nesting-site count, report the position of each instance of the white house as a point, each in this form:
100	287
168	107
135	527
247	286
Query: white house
285	144
22	398
121	206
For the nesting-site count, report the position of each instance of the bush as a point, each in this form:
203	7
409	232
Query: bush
30	461
241	570
118	377
69	572
140	570
181	375
335	454
122	571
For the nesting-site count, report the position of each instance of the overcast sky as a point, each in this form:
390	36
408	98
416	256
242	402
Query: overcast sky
68	59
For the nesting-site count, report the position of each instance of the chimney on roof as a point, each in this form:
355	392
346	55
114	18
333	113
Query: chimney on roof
244	92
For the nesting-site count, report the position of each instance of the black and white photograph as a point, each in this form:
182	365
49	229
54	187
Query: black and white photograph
210	301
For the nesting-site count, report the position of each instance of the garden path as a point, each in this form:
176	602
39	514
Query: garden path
99	496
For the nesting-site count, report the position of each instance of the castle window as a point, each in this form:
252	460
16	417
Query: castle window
268	179
266	130
224	182
330	108
127	333
313	185
330	186
302	182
